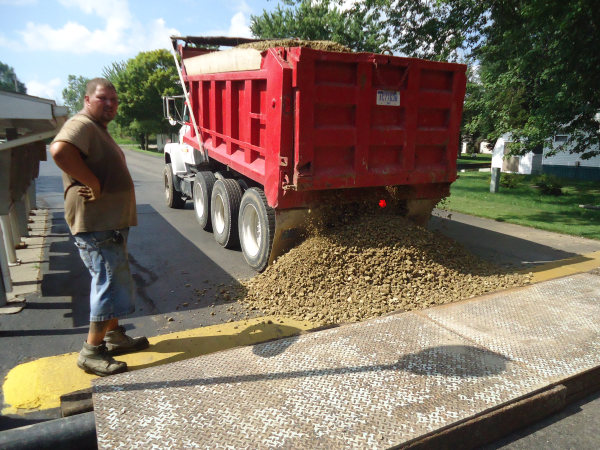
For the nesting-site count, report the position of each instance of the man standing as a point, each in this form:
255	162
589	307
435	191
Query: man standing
99	209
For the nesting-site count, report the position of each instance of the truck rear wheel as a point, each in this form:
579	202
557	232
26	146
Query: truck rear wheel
224	206
203	187
256	228
173	196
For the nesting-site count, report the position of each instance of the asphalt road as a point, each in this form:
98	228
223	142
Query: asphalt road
171	257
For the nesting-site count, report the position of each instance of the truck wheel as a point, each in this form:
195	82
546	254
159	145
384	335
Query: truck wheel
256	228
172	195
203	187
224	207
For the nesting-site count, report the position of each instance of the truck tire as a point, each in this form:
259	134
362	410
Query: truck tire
224	208
203	187
256	228
172	195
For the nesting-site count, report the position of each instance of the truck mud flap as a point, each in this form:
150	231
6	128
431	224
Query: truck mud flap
419	211
290	229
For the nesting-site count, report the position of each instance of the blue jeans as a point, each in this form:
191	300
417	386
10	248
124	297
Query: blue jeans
105	255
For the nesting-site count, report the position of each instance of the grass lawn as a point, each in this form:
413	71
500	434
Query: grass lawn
463	158
470	194
138	149
123	141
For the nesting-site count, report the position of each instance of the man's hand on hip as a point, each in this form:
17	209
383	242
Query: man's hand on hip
68	158
89	194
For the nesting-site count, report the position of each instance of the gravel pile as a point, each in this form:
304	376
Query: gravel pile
328	46
371	267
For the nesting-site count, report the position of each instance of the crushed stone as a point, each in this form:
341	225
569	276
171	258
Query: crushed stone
371	267
328	46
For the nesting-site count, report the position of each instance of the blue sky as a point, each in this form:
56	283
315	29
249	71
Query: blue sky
47	40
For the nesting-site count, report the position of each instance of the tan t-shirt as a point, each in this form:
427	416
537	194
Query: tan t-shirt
116	207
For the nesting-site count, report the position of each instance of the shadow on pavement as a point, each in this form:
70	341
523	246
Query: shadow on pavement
495	247
159	255
191	347
428	362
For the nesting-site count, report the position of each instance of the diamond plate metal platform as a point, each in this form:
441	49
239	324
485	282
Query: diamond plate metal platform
376	384
553	327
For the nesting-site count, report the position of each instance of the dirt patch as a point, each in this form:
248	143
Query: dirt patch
372	267
328	46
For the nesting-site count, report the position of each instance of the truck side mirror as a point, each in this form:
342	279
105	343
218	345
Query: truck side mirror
170	110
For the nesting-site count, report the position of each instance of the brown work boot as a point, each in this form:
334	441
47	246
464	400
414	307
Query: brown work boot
96	359
117	342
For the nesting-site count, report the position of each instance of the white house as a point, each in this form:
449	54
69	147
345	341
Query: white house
563	164
483	148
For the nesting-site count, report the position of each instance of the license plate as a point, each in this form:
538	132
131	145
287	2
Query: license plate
388	98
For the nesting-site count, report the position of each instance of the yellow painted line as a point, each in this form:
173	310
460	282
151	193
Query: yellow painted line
564	267
38	385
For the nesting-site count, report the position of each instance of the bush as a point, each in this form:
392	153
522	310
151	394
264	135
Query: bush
549	184
510	180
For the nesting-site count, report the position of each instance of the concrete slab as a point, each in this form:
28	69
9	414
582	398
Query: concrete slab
377	384
26	276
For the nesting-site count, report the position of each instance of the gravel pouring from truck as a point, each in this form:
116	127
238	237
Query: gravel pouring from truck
268	136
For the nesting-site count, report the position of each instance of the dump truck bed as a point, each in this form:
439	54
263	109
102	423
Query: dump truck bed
304	121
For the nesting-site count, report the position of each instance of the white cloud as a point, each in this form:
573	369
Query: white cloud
239	25
44	90
242	6
122	35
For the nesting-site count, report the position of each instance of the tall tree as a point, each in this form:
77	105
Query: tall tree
323	20
141	83
9	80
74	94
538	61
112	72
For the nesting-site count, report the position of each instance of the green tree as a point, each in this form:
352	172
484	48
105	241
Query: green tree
74	94
322	20
9	80
112	72
141	83
538	62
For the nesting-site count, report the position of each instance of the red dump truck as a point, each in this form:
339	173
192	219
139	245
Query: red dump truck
267	136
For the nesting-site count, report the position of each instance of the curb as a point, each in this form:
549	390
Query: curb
507	418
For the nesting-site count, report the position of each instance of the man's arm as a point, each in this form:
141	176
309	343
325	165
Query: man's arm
68	159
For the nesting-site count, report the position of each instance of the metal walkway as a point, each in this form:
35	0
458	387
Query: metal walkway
375	384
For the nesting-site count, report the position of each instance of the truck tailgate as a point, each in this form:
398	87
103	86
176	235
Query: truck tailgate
374	120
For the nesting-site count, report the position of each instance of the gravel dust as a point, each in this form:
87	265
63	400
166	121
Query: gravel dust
328	46
371	267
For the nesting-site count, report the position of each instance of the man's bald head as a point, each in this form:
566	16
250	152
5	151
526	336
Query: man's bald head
101	100
94	83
